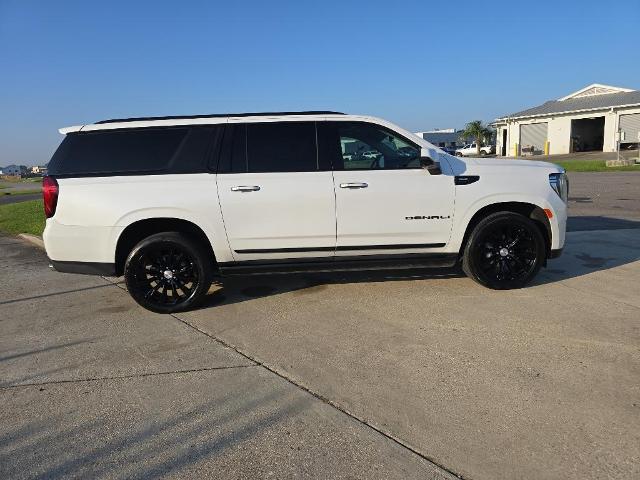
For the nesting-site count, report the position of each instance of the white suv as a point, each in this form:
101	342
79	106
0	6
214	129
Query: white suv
172	202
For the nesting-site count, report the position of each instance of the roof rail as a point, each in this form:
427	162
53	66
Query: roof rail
219	115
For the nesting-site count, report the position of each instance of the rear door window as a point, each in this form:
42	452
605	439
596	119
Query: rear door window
272	147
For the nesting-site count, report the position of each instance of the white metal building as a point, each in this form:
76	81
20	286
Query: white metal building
591	119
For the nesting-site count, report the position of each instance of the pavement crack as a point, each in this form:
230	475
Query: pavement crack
122	377
363	421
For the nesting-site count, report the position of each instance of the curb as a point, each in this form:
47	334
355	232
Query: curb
32	239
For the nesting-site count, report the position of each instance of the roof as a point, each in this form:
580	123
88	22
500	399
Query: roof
240	118
218	115
606	97
596	89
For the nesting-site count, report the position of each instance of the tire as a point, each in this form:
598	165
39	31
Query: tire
482	153
459	154
168	272
504	251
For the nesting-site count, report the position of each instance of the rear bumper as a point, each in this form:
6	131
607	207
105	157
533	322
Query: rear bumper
70	244
85	268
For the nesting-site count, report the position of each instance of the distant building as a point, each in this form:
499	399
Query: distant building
594	118
443	137
14	170
39	170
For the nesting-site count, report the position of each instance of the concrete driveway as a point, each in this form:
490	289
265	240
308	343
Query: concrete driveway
418	374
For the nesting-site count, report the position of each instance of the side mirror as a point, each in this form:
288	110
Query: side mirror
430	165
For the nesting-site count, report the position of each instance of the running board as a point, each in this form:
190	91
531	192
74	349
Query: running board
339	264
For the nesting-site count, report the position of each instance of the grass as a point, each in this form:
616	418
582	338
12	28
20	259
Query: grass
23	217
594	166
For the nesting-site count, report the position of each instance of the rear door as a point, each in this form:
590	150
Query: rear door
276	199
385	202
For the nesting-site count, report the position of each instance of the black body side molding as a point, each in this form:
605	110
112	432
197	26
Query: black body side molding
555	253
342	248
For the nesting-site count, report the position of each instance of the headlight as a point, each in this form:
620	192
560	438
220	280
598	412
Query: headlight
560	184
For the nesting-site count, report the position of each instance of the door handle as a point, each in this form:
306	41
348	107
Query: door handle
354	185
245	188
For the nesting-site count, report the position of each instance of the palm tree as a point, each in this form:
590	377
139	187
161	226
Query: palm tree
478	131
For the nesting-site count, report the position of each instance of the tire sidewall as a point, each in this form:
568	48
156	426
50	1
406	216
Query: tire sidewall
181	241
469	263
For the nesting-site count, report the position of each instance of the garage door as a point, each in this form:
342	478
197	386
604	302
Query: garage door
630	125
532	138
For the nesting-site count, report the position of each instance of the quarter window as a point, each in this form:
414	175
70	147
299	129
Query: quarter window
116	151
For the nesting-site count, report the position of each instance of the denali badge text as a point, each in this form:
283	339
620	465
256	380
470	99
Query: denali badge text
428	217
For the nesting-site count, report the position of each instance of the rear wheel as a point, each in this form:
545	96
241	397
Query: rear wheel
168	272
504	251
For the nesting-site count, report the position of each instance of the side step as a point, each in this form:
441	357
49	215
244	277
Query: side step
340	264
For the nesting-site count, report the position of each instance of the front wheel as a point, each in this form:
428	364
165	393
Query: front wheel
504	251
168	272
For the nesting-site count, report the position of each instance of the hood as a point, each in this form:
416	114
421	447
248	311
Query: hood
470	165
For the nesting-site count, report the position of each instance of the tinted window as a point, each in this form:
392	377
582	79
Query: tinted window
273	147
117	151
366	146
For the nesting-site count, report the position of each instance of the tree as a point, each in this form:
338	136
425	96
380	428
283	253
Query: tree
477	131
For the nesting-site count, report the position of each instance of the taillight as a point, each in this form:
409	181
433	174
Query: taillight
50	191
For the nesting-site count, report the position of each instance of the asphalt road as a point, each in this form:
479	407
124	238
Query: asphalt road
604	200
7	199
417	374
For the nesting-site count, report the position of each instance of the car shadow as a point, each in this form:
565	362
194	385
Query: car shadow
242	288
615	242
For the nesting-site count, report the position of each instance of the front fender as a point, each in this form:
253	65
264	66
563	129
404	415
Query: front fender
466	210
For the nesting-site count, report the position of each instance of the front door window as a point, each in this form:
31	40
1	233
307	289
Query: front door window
371	147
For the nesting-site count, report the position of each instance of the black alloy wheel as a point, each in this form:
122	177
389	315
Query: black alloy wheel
504	251
168	272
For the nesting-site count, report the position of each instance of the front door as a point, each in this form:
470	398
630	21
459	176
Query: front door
276	200
385	201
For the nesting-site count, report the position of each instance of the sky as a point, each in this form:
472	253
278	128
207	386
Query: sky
419	64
